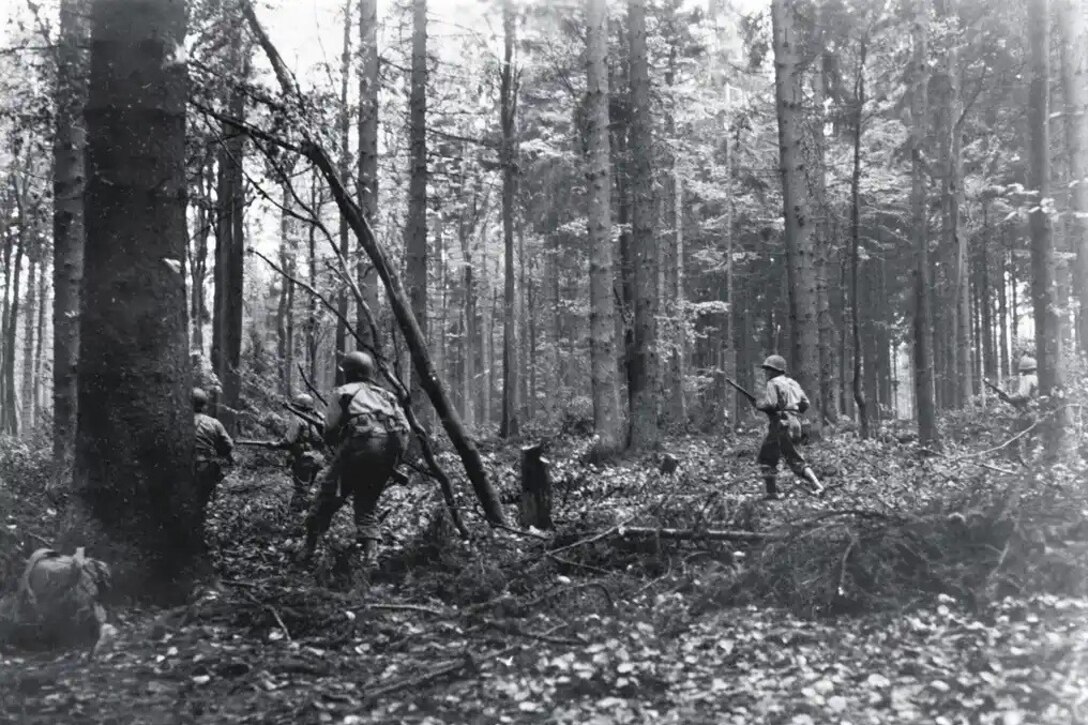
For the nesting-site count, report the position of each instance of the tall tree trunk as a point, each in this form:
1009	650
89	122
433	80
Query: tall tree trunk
989	346
825	250
607	420
36	268
1074	59
10	420
925	405
800	242
134	442
68	231
855	242
39	349
1003	307
343	168
508	110
1043	292
415	233
312	338
227	330
198	259
369	85
284	311
643	362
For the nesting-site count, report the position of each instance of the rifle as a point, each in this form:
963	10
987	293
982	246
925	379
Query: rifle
257	444
313	420
1000	393
742	391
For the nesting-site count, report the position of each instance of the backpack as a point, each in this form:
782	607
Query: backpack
371	411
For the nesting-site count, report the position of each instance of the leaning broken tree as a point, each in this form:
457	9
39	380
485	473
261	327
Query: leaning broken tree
398	298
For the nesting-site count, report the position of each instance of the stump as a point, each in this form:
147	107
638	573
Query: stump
535	506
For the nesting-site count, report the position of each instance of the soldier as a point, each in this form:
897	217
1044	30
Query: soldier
304	444
1029	383
368	431
784	402
213	448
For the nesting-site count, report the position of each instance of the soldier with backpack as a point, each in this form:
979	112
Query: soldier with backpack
304	445
367	431
213	447
784	402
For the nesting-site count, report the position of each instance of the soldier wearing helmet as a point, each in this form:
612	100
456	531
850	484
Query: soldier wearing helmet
368	432
1029	382
304	445
784	402
213	447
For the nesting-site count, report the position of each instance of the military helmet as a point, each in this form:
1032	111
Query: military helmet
358	364
303	401
200	398
1027	364
775	362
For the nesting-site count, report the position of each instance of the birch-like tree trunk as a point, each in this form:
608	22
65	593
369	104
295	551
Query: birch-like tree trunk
607	421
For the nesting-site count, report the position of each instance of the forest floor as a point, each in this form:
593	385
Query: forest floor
918	589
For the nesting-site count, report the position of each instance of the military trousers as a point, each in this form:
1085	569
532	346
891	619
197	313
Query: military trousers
209	473
359	469
781	443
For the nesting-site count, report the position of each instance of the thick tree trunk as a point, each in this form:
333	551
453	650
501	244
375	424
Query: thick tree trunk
607	420
1043	292
855	244
535	505
9	421
644	357
415	232
369	85
508	109
134	494
800	241
923	321
68	232
1074	30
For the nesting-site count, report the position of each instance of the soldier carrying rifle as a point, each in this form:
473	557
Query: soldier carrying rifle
1027	389
304	445
784	402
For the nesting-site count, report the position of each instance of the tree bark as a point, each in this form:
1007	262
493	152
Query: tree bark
855	243
344	165
1043	292
800	243
415	233
644	358
922	320
68	232
508	425
535	505
1074	60
39	349
134	443
36	268
9	422
607	420
369	86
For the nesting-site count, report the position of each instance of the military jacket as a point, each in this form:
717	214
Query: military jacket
212	440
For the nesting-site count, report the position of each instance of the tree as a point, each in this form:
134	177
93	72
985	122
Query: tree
643	363
133	490
607	421
1074	29
800	239
226	354
368	151
415	231
925	404
342	128
508	110
1043	292
855	239
68	233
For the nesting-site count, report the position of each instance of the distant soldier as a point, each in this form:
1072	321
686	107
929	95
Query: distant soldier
1028	386
304	445
784	402
368	432
213	448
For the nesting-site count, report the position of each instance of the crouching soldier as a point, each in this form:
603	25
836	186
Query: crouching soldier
304	446
784	402
213	448
368	434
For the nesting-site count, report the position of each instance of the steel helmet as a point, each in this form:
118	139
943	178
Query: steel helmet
200	398
303	401
775	362
358	364
1027	364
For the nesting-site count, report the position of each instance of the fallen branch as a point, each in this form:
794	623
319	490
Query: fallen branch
698	534
408	608
274	613
414	682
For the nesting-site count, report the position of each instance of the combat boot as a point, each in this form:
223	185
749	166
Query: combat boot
771	484
815	487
